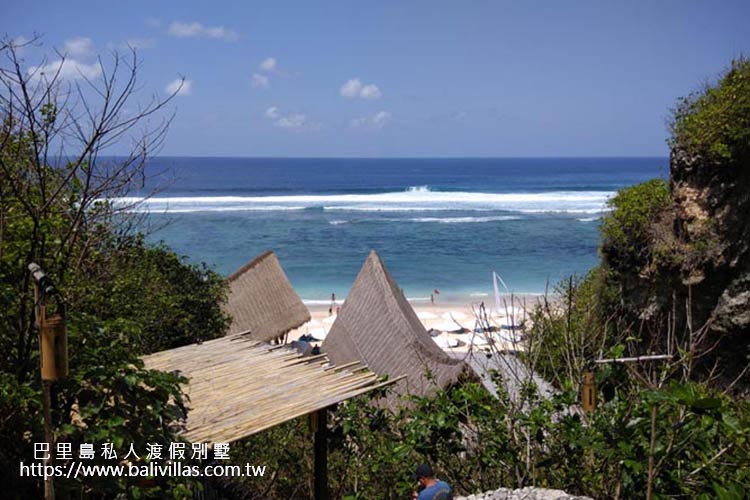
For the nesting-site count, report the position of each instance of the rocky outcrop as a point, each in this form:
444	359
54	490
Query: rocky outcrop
527	493
684	271
711	210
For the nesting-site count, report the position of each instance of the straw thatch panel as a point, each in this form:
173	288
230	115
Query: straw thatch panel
514	375
378	327
262	301
238	387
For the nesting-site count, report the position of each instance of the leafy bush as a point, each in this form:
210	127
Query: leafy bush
627	231
714	124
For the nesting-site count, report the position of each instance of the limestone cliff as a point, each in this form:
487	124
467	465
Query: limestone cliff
710	185
678	256
711	211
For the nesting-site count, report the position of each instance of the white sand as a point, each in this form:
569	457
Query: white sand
446	318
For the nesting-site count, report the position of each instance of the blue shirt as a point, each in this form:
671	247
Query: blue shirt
438	491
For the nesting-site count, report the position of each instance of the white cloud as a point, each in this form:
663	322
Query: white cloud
267	68
355	88
381	118
351	88
268	64
180	86
78	46
290	121
260	81
370	91
376	121
65	69
294	121
184	30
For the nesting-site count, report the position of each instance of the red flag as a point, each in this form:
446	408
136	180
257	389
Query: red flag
437	292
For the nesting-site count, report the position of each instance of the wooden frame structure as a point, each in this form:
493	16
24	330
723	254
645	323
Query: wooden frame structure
239	387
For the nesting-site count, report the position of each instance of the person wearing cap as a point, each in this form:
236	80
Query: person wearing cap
429	487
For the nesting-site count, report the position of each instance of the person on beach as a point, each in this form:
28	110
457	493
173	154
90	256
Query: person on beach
428	487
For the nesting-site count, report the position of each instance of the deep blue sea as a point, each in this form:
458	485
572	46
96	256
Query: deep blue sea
437	223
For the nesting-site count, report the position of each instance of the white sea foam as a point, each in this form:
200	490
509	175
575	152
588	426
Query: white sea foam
184	210
314	302
441	220
588	219
463	220
418	198
376	208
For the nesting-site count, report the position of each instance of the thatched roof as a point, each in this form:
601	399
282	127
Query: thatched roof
378	327
262	301
513	373
238	387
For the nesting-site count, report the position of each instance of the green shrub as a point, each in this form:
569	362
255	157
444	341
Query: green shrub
627	231
714	124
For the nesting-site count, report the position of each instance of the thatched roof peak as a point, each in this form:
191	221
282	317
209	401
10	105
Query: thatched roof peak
378	327
262	301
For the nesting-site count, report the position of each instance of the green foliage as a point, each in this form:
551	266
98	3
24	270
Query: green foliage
287	451
123	298
627	231
109	397
477	442
714	124
172	303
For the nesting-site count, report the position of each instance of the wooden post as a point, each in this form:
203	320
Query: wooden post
321	454
49	485
588	392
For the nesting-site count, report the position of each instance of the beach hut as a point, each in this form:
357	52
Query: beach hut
379	328
262	302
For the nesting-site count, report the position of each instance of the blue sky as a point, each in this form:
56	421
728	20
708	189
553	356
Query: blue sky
406	78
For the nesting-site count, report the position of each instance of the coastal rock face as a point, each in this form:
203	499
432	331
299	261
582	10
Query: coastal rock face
527	493
711	210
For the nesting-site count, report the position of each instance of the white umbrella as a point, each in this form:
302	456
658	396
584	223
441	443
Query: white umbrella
318	333
443	341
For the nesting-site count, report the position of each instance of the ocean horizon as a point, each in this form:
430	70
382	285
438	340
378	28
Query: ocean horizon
441	224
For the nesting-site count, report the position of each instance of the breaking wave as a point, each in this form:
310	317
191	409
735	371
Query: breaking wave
441	220
414	199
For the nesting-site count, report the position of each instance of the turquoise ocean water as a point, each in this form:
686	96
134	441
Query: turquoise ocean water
437	223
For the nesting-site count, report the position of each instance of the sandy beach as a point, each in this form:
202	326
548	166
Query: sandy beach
453	323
